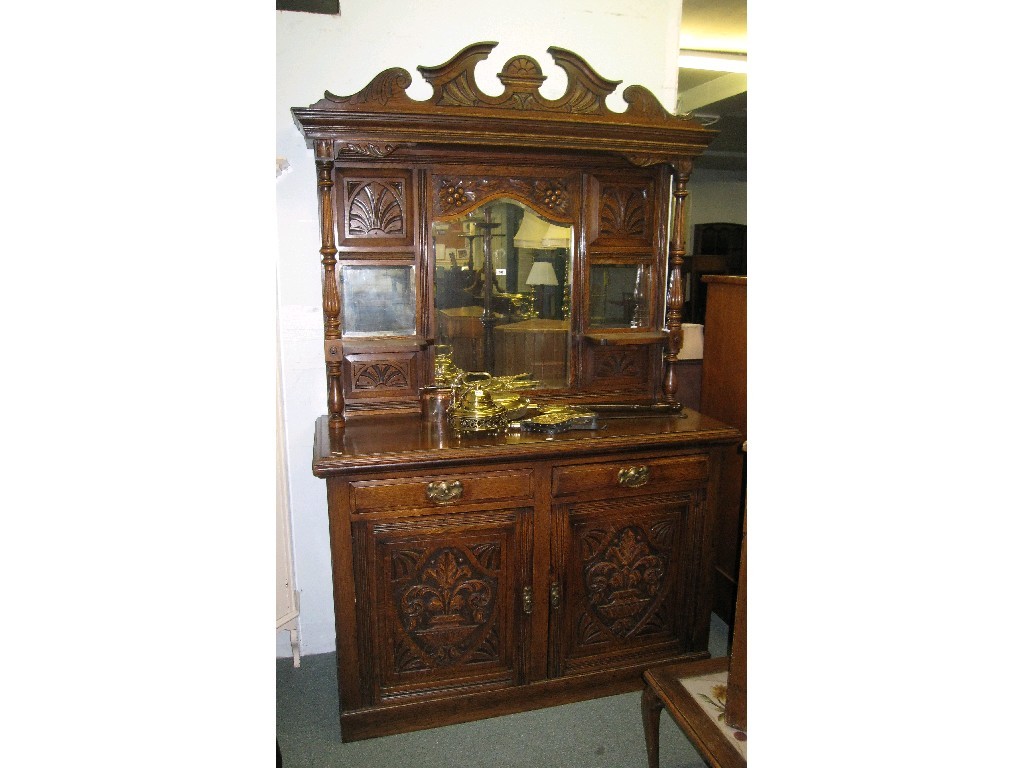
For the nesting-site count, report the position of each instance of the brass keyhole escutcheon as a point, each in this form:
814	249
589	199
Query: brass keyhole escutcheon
443	492
527	600
634	477
556	596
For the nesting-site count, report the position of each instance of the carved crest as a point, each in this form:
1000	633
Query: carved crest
454	86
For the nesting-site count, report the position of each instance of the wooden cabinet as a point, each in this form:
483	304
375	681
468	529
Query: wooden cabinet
482	576
724	396
444	593
718	249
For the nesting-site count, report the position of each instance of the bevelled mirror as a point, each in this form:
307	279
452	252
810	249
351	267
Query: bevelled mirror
378	300
618	295
502	291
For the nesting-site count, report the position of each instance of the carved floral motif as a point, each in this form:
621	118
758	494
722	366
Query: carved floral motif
623	580
451	195
367	149
488	554
448	602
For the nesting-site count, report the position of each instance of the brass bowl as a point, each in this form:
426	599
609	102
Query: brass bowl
476	413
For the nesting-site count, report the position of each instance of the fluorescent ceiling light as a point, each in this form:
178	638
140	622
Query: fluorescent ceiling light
714	61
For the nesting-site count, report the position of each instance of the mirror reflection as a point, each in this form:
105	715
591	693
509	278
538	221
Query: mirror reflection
378	300
502	291
618	296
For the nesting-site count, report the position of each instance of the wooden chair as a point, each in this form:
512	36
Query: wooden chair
692	692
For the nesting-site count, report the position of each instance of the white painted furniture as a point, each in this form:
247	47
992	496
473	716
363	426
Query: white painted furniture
287	595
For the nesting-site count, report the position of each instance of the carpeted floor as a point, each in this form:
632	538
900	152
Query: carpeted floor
601	733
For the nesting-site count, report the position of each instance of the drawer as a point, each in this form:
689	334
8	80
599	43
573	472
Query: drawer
442	490
631	474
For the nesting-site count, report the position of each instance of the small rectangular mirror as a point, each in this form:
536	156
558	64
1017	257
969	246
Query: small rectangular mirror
618	296
378	300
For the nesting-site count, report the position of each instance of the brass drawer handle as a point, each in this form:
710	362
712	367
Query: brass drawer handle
634	477
444	492
556	596
527	600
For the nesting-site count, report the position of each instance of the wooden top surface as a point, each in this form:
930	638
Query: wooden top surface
410	442
535	324
725	279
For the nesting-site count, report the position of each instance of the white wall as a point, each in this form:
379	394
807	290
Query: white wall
716	196
636	42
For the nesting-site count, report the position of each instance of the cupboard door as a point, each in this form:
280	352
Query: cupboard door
625	581
442	603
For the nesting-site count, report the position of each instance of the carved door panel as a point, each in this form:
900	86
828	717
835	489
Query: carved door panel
624	584
446	593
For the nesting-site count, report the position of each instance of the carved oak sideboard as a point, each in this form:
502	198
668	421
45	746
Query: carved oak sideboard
478	575
481	576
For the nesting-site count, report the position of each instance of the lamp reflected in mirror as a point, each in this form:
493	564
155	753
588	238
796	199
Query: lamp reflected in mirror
502	282
538	235
542	273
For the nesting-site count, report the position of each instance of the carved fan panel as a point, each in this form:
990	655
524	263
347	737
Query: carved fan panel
378	377
623	212
374	211
616	368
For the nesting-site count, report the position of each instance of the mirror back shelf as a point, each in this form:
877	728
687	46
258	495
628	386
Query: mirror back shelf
513	234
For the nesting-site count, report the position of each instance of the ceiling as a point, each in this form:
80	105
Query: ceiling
717	99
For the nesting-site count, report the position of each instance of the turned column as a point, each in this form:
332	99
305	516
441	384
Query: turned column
333	352
676	256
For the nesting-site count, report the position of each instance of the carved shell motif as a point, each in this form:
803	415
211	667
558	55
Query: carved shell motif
379	375
375	209
617	363
623	211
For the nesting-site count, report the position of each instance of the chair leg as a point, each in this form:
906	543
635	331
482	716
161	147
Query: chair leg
650	707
